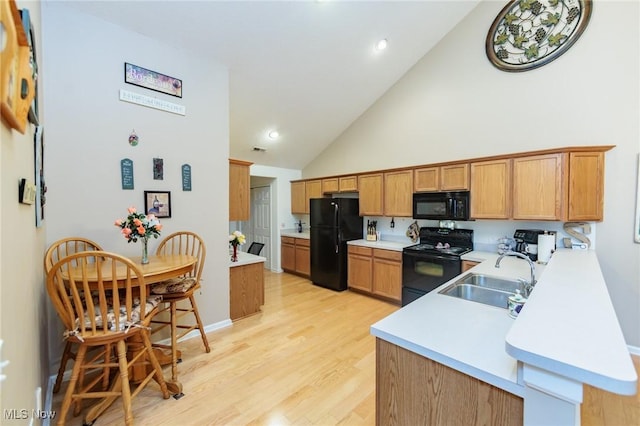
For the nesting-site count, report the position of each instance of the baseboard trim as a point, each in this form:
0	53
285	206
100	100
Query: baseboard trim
634	350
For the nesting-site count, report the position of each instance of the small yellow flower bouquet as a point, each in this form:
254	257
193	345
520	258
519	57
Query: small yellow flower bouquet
236	239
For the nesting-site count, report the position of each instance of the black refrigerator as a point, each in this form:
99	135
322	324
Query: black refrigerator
334	221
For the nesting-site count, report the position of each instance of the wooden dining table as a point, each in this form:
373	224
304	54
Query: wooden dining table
159	268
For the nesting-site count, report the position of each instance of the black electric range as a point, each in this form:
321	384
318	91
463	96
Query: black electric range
434	261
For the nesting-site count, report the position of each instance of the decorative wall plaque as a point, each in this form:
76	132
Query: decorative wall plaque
527	34
186	177
126	173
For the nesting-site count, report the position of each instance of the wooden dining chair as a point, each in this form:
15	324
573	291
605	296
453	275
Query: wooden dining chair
56	251
180	289
102	320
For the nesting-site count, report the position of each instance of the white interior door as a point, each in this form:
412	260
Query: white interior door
261	218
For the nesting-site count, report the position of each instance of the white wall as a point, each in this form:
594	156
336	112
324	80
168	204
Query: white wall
454	105
22	293
87	136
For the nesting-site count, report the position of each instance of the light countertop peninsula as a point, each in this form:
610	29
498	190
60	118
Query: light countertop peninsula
568	326
246	259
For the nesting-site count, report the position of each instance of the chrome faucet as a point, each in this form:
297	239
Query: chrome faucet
532	283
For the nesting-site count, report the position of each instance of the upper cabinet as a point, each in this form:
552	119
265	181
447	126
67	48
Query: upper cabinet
491	189
398	193
340	184
586	186
302	192
454	177
371	191
239	190
562	184
539	187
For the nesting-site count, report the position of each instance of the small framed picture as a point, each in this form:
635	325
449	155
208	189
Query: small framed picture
157	203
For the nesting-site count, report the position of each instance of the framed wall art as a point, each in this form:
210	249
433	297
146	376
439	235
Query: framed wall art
138	76
157	203
531	33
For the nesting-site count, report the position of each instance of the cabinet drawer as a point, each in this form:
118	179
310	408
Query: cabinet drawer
363	251
287	240
302	242
388	254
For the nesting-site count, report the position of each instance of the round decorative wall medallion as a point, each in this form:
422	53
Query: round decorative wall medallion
527	34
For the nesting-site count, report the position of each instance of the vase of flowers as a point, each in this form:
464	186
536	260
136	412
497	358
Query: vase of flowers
139	226
236	239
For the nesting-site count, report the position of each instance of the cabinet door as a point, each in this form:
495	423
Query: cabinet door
239	190
538	187
303	257
348	184
398	193
330	185
454	177
288	253
313	189
359	269
370	188
387	274
426	179
491	189
586	186
298	197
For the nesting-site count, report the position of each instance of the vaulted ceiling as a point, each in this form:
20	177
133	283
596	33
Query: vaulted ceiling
306	69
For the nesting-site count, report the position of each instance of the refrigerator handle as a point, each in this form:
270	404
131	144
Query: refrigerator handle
337	236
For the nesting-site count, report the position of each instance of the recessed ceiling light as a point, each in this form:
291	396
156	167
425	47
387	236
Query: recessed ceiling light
381	45
273	134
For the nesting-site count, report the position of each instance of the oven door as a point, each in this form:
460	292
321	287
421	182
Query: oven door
425	272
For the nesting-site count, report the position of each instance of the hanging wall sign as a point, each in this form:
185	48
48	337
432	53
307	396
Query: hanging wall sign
527	34
186	177
126	173
158	169
148	101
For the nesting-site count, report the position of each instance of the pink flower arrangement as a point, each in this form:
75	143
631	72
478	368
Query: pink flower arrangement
138	225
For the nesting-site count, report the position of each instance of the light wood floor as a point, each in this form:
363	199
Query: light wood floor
307	359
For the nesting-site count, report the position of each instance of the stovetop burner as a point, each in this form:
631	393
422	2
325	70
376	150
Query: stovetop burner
455	242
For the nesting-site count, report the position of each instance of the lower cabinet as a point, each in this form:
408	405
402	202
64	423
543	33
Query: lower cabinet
296	255
246	290
376	272
449	398
468	264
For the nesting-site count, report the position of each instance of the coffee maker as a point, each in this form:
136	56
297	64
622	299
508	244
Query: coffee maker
527	242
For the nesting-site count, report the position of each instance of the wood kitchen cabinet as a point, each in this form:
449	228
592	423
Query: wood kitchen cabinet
491	189
539	187
340	184
376	272
246	290
451	397
239	190
295	255
398	193
586	186
302	192
468	264
371	189
454	177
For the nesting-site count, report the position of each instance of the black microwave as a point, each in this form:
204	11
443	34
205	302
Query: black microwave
441	205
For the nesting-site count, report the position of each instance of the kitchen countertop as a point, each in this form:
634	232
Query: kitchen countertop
293	233
382	244
246	259
585	344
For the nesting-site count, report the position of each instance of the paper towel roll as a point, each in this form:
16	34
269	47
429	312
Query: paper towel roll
546	246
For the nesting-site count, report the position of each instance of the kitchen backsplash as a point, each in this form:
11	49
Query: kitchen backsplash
486	233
